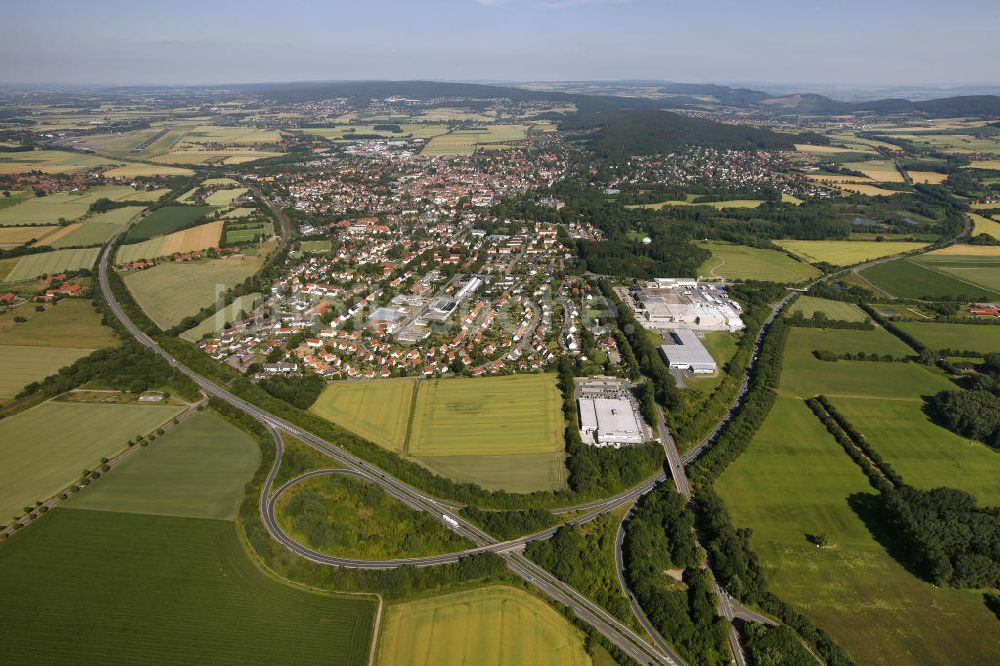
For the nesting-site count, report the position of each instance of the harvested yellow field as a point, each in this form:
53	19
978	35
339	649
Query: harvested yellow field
201	237
11	236
985	164
491	626
845	253
867	190
882	171
984	225
829	150
969	250
928	177
57	233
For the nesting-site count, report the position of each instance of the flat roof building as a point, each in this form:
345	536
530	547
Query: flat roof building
689	353
610	421
681	303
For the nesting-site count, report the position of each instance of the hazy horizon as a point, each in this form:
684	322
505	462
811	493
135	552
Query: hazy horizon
109	42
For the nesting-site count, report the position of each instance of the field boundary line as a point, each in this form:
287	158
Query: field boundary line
955	277
413	414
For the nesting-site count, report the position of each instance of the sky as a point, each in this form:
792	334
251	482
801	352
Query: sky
228	41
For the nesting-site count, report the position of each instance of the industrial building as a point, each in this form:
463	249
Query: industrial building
609	421
689	353
678	303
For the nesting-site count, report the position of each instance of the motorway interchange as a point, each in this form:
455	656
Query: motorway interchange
613	630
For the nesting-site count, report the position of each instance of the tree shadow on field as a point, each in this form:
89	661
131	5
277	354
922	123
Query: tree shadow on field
869	509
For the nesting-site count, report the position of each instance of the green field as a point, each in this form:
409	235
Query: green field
722	346
379	411
217	321
808	305
738	262
225	197
925	454
984	225
487	416
966	337
317	246
58	261
98	229
68	206
106	587
171	291
196	470
21	365
492	626
51	161
72	322
907	278
795	480
515	473
166	220
804	375
45	448
718	205
981	270
348	517
845	253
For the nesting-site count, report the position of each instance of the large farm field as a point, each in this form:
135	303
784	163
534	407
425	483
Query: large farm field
166	220
14	236
57	261
809	305
925	454
487	416
52	161
45	448
197	470
171	291
974	265
927	278
966	337
72	322
126	588
738	262
795	480
51	208
96	230
22	365
492	626
846	253
191	239
379	411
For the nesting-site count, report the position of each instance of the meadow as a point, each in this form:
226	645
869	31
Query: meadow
925	454
739	262
217	321
846	253
795	480
51	208
52	161
225	197
97	229
450	144
927	177
247	232
316	246
197	470
171	291
133	588
21	365
378	411
165	220
349	517
966	337
57	261
490	626
14	236
882	171
45	448
975	264
72	322
718	205
984	225
808	305
909	278
191	239
146	170
487	416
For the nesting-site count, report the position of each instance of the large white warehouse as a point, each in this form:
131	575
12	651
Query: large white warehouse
689	353
609	421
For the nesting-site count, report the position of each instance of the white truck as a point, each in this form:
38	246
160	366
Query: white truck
448	519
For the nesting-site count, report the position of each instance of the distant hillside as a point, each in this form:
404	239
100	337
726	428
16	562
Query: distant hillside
642	132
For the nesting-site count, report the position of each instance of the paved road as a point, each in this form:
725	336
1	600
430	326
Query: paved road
586	610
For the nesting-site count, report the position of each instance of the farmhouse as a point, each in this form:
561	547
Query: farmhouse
688	353
607	421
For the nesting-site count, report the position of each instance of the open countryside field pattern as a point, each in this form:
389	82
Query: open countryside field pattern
933	277
45	448
71	322
171	291
982	338
379	411
68	206
795	480
49	263
97	229
487	416
846	253
166	220
809	305
21	365
197	470
738	262
201	237
142	589
492	626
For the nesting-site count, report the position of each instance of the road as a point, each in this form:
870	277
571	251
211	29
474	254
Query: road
583	608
